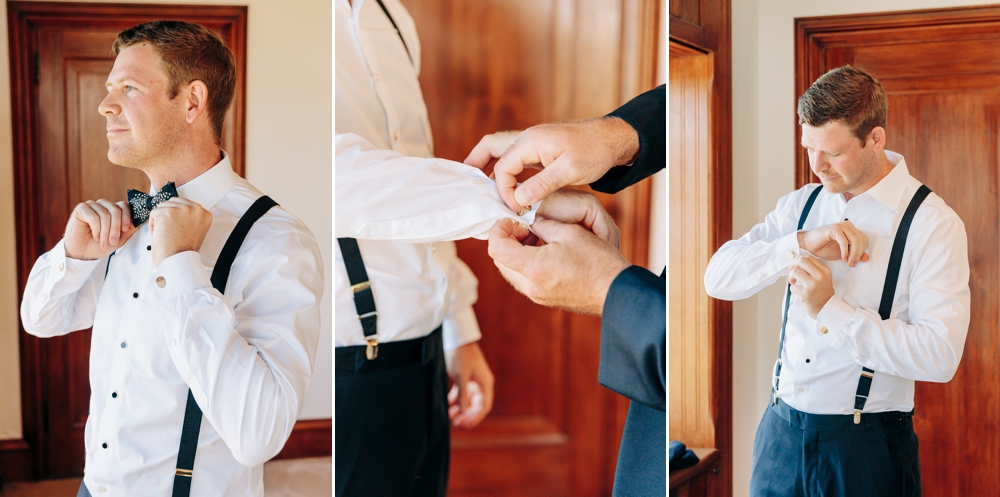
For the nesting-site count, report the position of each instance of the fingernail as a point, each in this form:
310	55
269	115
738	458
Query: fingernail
523	226
523	196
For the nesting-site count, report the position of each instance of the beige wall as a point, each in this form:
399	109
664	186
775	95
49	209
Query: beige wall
289	156
764	99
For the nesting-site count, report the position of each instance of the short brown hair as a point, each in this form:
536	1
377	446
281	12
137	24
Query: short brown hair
847	94
189	52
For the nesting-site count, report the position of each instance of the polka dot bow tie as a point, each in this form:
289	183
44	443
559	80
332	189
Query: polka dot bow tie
141	204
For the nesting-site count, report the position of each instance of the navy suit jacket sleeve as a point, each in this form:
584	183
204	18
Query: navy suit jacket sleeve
647	113
634	338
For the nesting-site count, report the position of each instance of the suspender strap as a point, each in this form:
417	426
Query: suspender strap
391	20
192	413
889	290
364	300
788	295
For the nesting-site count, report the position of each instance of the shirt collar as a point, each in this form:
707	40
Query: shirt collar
210	186
889	190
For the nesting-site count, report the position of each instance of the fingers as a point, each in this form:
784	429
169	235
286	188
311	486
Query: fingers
114	230
491	147
506	248
554	176
509	165
554	231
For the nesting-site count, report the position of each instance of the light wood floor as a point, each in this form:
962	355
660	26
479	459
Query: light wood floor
312	477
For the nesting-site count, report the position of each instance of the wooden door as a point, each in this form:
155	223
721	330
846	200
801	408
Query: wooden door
60	59
941	71
506	64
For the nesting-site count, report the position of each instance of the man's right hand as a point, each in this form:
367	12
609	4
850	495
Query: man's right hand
96	228
836	241
574	153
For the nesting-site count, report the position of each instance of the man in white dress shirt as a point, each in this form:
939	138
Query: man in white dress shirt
161	332
860	325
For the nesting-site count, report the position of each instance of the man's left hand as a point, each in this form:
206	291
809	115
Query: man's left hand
471	397
573	269
177	225
812	282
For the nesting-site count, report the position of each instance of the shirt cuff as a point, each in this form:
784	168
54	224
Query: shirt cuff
180	273
832	318
787	248
69	270
461	328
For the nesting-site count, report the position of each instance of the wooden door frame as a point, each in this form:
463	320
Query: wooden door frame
23	18
814	34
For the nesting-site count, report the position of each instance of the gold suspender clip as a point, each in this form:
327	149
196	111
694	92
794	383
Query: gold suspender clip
364	285
184	472
372	351
857	417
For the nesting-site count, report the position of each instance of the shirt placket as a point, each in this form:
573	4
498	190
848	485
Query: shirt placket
392	120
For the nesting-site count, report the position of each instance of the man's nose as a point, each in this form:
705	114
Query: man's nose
109	106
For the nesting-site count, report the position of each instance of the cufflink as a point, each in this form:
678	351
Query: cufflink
823	330
523	211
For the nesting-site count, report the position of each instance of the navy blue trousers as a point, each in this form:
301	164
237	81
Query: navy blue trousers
796	454
642	457
392	434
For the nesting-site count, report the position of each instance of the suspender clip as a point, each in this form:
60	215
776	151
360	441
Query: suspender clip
774	398
857	417
364	285
371	352
184	472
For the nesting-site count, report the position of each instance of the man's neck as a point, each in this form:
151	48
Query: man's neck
184	167
885	167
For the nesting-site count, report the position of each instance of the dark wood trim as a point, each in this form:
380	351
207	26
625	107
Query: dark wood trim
22	20
814	34
15	461
714	36
309	438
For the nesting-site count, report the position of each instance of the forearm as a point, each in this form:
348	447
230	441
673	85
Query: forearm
741	268
384	195
61	294
248	369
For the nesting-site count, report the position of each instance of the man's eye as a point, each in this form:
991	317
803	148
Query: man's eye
129	88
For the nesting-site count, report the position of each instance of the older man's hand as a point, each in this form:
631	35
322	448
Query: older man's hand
571	269
575	153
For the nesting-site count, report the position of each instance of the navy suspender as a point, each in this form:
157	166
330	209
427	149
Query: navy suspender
788	296
393	21
192	413
889	290
364	301
888	293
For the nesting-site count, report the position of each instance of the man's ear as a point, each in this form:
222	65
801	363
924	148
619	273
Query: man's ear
877	137
196	97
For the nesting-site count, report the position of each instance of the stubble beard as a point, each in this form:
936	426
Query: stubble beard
150	155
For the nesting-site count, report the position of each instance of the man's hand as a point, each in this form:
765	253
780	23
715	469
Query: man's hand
96	228
836	241
471	397
575	153
573	269
176	226
576	207
812	282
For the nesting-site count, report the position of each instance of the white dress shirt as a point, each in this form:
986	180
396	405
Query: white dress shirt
403	205
923	338
247	356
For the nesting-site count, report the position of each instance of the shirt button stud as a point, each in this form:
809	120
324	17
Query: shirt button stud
161	281
823	330
791	255
102	488
62	266
135	295
104	445
114	395
149	247
801	389
124	345
807	361
395	137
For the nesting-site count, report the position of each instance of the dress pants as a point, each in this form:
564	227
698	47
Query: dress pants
796	454
83	492
392	429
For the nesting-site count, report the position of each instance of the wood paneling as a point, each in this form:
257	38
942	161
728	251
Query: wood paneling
940	70
701	221
509	64
15	461
309	438
60	56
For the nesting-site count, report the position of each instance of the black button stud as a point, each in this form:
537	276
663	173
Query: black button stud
135	295
114	395
807	361
149	247
104	445
124	345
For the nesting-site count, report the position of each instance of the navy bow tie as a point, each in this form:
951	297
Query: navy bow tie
141	204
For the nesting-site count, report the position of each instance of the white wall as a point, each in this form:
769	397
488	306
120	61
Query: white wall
764	99
288	155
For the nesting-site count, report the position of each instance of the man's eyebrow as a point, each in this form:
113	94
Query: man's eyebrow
118	81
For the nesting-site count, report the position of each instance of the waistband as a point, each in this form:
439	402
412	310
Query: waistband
838	422
391	355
